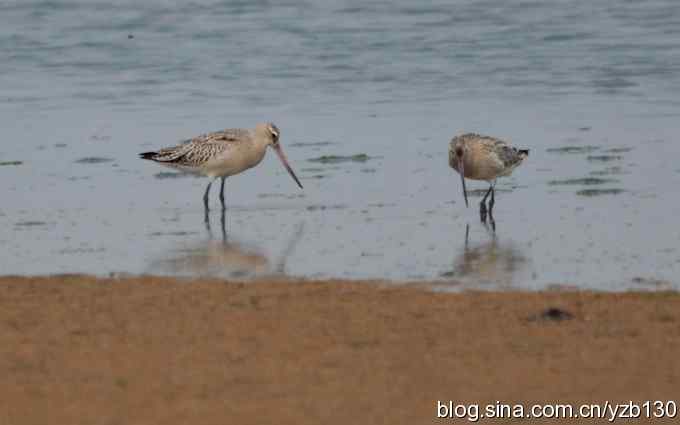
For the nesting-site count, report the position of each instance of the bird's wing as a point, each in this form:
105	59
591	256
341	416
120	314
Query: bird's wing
200	149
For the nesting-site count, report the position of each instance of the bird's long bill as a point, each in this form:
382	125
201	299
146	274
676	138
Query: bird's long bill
284	161
461	171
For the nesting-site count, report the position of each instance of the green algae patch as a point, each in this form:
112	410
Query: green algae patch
573	149
337	159
599	192
93	160
584	181
604	158
619	150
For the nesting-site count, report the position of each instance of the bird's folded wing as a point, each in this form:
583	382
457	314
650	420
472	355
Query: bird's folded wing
199	153
200	149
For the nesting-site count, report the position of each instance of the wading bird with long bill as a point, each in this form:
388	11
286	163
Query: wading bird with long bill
222	154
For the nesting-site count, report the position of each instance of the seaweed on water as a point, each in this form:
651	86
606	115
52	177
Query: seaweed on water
30	223
609	171
310	144
573	149
171	175
336	159
584	181
93	160
619	150
604	158
599	192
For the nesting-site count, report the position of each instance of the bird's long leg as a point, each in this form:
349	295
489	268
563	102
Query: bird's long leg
205	196
482	205
222	193
493	198
491	202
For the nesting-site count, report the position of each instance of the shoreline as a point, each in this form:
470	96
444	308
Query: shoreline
80	349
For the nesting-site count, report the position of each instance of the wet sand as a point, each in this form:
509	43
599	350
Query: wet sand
81	350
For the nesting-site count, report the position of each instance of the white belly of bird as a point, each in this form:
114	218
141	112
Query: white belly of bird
232	162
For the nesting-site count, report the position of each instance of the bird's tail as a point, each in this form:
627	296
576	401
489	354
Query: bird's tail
148	155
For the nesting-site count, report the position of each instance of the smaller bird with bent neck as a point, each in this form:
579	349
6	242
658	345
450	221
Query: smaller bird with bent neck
479	157
222	154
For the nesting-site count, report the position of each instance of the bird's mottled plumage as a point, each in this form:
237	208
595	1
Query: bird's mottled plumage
198	150
479	157
485	157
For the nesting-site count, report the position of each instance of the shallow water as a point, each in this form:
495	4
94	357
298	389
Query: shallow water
367	96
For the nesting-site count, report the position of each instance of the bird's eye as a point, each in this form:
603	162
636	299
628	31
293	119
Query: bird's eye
459	152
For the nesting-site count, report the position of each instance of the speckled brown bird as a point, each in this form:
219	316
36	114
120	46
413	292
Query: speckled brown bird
222	154
479	157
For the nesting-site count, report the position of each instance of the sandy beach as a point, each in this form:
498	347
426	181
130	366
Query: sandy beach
82	350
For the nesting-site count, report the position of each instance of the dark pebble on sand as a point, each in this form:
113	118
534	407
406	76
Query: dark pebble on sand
552	314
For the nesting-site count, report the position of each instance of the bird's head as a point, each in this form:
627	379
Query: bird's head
274	134
268	133
457	153
271	134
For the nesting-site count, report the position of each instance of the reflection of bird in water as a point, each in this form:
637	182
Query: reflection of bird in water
218	259
488	262
223	258
483	158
